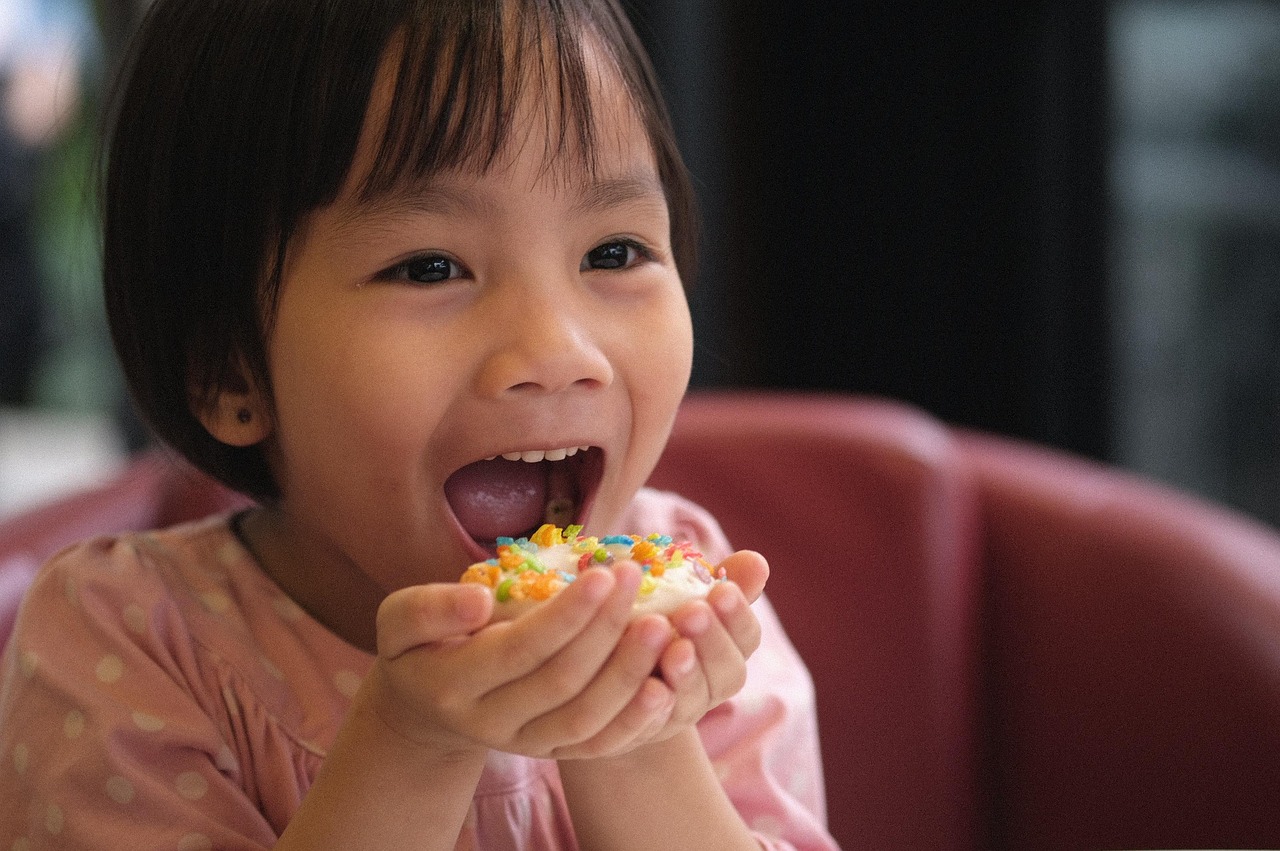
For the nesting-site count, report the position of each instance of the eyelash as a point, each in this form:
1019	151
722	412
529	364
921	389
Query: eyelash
642	254
636	253
401	271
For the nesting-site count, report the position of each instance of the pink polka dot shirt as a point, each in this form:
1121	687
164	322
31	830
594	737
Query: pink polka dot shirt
160	692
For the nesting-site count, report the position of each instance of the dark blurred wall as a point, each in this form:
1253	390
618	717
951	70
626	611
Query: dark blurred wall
902	201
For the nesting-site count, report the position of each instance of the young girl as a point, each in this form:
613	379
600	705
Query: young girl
409	273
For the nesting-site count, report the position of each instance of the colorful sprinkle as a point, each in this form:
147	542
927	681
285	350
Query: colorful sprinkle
538	567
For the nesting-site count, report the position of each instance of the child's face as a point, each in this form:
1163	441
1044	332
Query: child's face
520	310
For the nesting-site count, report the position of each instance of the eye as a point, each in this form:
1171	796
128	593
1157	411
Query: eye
426	269
618	254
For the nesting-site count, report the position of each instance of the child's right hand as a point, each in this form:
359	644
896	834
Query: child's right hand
571	678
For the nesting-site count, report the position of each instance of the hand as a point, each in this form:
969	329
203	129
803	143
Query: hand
571	678
706	663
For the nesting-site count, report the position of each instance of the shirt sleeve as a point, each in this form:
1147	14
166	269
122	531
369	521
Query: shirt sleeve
108	730
764	741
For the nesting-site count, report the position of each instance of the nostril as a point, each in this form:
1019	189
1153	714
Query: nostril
523	373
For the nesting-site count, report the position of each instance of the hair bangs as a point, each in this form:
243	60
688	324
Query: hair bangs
468	78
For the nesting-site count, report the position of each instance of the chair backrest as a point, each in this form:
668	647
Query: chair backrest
1131	656
866	520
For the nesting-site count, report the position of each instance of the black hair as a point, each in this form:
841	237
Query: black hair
235	119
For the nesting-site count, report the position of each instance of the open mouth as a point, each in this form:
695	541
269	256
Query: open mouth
513	494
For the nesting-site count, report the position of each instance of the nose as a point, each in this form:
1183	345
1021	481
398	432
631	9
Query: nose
544	343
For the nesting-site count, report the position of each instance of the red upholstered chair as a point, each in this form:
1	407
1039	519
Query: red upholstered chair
1131	660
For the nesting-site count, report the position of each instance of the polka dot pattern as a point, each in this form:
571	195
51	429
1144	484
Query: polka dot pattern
191	785
288	610
110	669
274	685
272	669
226	760
54	820
148	723
195	842
120	790
347	683
229	553
135	619
73	724
216	601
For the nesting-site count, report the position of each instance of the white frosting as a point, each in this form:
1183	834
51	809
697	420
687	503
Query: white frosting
673	583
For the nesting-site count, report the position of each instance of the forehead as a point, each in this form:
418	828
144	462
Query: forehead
455	114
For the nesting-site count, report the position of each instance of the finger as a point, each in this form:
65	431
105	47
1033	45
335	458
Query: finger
624	701
579	657
749	571
644	716
682	672
424	614
510	650
735	614
721	662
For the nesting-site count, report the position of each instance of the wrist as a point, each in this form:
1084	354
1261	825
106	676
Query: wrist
650	758
666	775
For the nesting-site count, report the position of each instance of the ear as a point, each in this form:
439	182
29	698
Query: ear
235	414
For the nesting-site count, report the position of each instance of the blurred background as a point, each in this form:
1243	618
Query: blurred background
1059	221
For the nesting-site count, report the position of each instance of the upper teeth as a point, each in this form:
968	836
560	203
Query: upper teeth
533	456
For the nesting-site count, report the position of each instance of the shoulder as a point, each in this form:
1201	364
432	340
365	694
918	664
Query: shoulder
671	514
146	568
186	613
133	565
113	597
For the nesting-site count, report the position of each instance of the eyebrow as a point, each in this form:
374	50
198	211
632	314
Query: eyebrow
428	197
618	191
432	198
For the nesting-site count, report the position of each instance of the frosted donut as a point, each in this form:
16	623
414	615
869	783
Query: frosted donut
530	570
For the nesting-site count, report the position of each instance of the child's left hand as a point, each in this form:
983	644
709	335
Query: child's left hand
705	664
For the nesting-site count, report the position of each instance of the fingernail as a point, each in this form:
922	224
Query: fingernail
598	583
683	666
725	604
469	606
698	621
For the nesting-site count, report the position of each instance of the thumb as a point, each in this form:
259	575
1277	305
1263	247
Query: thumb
426	614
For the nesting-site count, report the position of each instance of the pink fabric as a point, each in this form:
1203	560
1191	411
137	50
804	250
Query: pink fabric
161	692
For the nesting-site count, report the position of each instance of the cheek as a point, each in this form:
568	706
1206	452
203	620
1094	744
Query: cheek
352	395
661	364
666	355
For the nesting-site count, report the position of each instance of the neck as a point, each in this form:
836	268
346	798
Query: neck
337	599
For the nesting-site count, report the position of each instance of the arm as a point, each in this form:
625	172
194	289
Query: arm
753	761
665	794
379	790
129	732
571	677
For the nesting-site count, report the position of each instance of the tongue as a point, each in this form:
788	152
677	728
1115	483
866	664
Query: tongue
496	498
